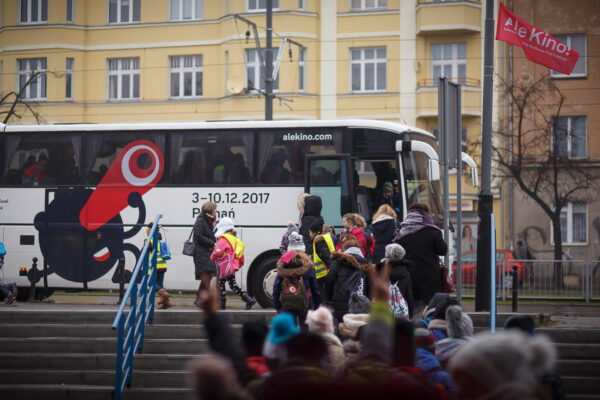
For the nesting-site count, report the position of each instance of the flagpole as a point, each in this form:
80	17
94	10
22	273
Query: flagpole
485	200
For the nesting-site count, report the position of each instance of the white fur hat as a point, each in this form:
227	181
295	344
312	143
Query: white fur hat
320	320
223	226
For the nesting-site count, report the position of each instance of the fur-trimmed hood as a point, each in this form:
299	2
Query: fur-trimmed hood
352	261
295	263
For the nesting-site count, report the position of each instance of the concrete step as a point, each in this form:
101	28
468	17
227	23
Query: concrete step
583	368
567	335
161	317
576	351
582	385
89	392
99	345
141	378
95	361
155	331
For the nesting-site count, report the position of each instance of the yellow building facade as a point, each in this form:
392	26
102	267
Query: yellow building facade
186	60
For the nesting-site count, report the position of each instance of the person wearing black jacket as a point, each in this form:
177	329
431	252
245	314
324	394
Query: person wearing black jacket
312	210
204	243
399	272
424	243
384	227
341	280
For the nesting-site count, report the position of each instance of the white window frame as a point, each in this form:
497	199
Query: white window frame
70	9
196	9
453	62
258	74
119	73
582	57
302	5
367	5
120	20
69	79
181	69
568	210
302	70
254	5
569	139
26	73
362	62
40	6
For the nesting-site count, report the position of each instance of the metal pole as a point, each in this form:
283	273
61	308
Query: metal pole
444	132
269	64
493	276
482	290
458	196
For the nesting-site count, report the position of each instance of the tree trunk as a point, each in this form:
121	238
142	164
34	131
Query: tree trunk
558	265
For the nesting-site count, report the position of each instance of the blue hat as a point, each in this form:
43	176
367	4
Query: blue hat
283	327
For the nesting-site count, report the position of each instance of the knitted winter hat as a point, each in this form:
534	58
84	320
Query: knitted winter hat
225	224
394	252
295	242
425	339
283	327
351	324
320	320
317	225
358	304
387	187
459	323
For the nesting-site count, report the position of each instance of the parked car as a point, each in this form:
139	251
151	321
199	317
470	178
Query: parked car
504	266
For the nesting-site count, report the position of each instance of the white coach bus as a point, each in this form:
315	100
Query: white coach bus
77	196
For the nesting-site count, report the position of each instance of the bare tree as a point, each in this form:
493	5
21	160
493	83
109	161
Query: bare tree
16	104
532	154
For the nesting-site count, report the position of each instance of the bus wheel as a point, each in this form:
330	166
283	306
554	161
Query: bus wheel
262	281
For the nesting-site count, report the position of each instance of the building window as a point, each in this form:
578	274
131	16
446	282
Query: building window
571	136
356	5
34	69
573	223
186	76
260	5
302	70
123	78
34	11
301	4
69	80
186	9
123	11
449	60
254	74
578	43
69	11
368	69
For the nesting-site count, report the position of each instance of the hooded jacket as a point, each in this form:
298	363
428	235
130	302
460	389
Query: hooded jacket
342	268
384	230
312	210
431	367
297	263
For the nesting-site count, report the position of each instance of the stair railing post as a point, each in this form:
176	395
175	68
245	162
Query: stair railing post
515	288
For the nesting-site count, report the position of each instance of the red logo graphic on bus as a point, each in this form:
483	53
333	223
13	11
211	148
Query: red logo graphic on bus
137	168
81	232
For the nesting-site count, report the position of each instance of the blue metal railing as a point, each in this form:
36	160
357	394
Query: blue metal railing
140	312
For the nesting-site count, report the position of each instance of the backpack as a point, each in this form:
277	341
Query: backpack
354	283
2	250
293	295
397	303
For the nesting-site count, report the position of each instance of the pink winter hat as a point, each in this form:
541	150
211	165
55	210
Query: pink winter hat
320	320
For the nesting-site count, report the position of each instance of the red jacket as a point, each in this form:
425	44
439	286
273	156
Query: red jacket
360	236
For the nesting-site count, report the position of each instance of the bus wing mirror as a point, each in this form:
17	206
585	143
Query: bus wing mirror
433	170
471	163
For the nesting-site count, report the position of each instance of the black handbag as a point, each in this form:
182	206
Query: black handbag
188	245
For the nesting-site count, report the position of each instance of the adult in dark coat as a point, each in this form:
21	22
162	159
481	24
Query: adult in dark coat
312	211
384	227
204	243
338	279
424	243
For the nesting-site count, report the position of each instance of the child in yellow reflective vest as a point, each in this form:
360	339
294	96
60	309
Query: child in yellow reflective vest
229	256
164	301
323	246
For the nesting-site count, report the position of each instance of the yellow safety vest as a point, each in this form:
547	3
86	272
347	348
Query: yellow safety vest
320	267
160	263
236	244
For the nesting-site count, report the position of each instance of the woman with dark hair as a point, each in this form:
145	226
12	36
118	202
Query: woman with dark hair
424	243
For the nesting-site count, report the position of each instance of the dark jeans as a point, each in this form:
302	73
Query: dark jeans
160	279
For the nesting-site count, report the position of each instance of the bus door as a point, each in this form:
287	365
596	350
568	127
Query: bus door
421	176
330	177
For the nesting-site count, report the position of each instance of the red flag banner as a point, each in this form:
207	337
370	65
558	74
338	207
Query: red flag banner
539	47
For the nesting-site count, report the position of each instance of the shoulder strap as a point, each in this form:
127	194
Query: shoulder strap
191	233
